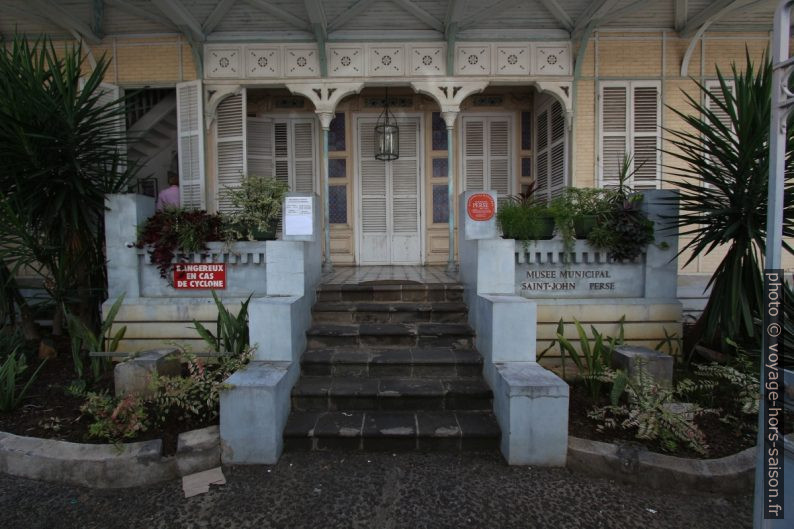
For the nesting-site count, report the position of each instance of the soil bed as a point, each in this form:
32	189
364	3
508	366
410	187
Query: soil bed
722	439
49	411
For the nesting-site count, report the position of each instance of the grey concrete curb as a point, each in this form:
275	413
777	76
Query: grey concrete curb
107	465
732	474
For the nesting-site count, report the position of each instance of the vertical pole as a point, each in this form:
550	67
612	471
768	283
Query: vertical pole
325	121
449	119
774	221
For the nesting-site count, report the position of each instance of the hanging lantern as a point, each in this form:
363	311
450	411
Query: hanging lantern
387	135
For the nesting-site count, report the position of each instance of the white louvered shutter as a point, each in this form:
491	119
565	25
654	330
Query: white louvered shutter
374	214
231	158
190	119
557	161
614	132
473	153
303	157
713	104
542	154
259	147
294	149
499	164
281	141
404	171
645	136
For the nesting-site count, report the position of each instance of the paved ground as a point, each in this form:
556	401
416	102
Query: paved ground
379	491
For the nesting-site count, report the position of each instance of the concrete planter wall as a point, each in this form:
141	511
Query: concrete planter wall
245	271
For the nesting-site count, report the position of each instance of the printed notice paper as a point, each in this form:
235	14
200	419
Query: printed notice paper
298	216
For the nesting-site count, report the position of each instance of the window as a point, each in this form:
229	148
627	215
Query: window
550	149
629	113
487	153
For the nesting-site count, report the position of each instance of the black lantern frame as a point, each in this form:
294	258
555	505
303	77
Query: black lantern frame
387	135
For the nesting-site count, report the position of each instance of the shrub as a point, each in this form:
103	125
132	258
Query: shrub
12	368
84	340
175	230
231	332
257	207
115	420
648	408
524	222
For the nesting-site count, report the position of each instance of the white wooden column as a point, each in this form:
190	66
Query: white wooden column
449	120
325	122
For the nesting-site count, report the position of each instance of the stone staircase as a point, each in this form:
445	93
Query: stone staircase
391	367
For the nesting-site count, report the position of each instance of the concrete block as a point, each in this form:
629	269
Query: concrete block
658	365
531	405
198	450
254	410
506	329
133	375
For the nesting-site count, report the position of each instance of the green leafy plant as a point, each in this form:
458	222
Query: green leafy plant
62	152
12	388
651	410
672	342
594	360
231	331
525	221
115	420
732	391
722	172
197	396
256	207
174	230
623	229
84	340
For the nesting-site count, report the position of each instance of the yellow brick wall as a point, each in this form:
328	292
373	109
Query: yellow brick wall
655	56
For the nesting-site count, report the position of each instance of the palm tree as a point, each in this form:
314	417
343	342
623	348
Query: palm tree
723	195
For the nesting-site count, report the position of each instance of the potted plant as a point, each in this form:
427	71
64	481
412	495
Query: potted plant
257	208
524	219
623	229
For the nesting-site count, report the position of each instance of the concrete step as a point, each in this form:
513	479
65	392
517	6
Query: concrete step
391	431
416	362
389	312
390	393
413	292
457	335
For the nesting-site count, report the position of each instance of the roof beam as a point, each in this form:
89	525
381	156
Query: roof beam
284	16
139	12
595	11
559	13
487	12
681	8
216	16
319	25
455	10
182	18
66	20
420	13
353	11
97	16
715	10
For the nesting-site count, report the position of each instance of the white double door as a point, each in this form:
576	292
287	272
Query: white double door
389	196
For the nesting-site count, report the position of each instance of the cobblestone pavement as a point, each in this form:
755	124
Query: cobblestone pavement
380	491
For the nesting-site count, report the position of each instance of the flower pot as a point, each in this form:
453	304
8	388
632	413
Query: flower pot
263	235
583	225
544	228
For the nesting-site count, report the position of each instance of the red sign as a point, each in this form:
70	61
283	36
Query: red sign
480	206
199	276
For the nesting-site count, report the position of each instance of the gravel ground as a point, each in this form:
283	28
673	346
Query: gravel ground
378	491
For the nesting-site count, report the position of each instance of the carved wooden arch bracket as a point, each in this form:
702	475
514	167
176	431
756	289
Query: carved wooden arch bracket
216	94
325	96
449	95
562	92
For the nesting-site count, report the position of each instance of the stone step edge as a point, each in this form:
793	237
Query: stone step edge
345	287
390	329
367	389
390	306
488	429
348	356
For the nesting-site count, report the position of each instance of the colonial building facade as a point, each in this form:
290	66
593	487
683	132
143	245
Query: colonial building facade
487	95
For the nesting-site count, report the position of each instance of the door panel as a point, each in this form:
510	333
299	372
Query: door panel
390	192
